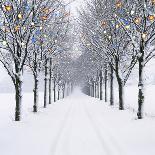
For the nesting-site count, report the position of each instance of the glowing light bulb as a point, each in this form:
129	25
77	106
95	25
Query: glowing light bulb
44	17
20	16
137	20
32	23
127	26
115	15
153	2
117	26
4	43
46	10
103	23
119	4
23	44
151	18
8	7
132	12
17	28
144	35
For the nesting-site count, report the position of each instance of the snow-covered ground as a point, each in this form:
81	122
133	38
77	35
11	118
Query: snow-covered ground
77	125
131	99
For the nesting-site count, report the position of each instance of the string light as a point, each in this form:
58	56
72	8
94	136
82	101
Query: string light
137	20
144	35
32	24
119	4
44	17
45	35
132	12
103	23
127	26
153	2
20	16
17	28
105	32
67	14
151	18
117	26
8	7
4	43
23	44
46	10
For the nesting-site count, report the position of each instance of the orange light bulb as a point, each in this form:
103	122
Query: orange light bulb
8	7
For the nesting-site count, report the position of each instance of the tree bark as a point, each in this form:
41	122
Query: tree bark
35	90
141	84
63	95
98	89
89	90
45	84
121	94
35	106
54	91
71	87
101	80
105	82
120	85
58	94
95	90
111	86
18	96
92	88
50	81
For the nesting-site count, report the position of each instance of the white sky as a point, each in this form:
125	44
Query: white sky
76	5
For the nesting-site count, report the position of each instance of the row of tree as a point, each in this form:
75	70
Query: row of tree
116	36
33	34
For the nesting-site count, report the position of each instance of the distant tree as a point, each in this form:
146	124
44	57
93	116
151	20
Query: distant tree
109	41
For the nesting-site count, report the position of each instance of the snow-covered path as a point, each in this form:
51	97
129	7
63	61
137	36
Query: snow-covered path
79	134
78	125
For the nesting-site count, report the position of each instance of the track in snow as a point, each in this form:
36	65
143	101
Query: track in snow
79	133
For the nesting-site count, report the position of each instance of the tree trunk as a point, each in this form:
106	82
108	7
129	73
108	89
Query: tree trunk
98	90
121	94
120	86
92	89
35	90
71	87
50	82
63	95
111	86
89	90
54	91
141	84
35	106
58	94
18	96
101	79
45	84
105	82
95	90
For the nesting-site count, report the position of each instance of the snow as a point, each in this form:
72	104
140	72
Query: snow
131	99
6	85
76	125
